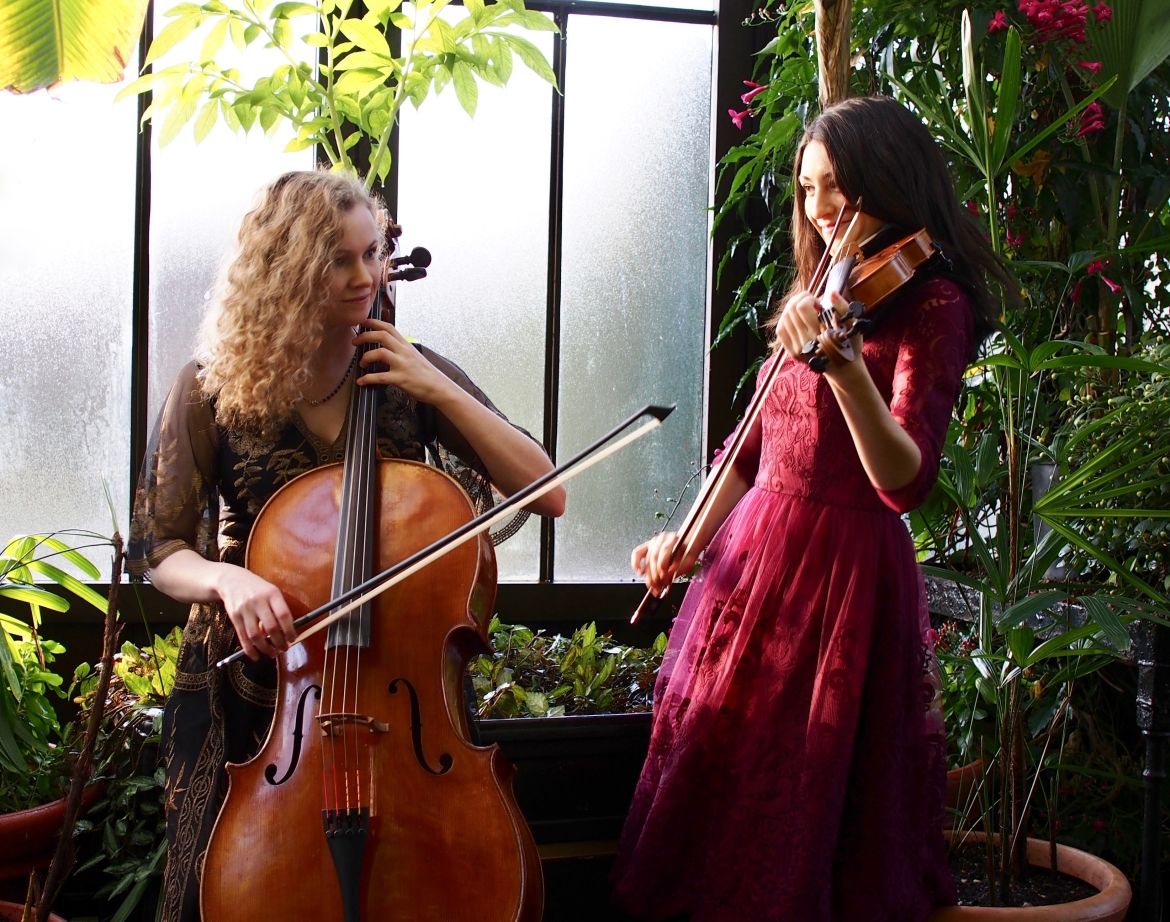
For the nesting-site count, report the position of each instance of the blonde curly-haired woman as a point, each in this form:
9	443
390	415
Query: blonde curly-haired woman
264	401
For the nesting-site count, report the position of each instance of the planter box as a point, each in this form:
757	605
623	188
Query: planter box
574	775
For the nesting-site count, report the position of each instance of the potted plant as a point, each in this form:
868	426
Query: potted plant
122	839
46	761
1034	637
572	713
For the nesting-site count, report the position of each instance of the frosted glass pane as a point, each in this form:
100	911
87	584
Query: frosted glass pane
66	273
634	297
199	194
474	191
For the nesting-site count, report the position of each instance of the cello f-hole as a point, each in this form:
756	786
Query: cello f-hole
445	760
298	738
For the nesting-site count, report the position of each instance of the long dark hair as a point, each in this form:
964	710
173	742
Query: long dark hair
883	154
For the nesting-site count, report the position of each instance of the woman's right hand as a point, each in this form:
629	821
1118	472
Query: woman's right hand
651	562
257	611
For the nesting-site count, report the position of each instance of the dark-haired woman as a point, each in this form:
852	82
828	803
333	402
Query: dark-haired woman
796	763
266	401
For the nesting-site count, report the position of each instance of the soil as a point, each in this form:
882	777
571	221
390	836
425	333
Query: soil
1040	887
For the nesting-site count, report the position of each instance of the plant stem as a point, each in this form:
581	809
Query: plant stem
64	858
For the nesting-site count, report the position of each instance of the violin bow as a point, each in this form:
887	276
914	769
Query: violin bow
359	595
700	510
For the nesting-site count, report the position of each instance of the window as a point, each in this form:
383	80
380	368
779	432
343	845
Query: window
570	274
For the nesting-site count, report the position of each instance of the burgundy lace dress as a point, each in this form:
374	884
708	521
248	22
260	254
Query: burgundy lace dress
796	763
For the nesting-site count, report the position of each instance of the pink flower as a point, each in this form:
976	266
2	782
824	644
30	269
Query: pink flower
738	117
998	23
1093	67
752	93
1103	12
1014	240
1097	267
1056	19
1092	120
931	638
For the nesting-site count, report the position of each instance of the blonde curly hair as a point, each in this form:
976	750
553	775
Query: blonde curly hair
266	320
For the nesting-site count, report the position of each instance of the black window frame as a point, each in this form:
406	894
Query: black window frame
544	603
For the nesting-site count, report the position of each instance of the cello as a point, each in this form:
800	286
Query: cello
368	802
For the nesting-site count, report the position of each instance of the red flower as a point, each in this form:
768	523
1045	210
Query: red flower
1056	19
738	117
1092	120
1093	67
1103	12
998	23
751	94
1097	267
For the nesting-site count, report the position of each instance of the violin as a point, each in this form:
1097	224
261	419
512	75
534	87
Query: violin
870	281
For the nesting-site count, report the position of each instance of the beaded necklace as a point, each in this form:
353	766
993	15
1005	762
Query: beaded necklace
333	393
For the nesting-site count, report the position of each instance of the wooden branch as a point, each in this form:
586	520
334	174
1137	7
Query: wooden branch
833	21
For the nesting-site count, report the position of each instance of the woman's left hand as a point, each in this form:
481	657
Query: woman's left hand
404	366
800	323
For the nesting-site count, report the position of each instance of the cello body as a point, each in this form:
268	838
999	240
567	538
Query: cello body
368	802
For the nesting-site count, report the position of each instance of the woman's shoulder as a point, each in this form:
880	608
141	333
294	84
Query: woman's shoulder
935	298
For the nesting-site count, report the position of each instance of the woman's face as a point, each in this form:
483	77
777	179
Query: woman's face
823	200
355	269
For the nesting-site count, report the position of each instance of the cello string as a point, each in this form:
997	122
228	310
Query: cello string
361	533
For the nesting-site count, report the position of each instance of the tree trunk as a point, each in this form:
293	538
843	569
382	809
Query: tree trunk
833	21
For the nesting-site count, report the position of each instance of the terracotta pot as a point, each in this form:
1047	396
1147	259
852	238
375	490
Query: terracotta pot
1109	905
28	838
11	912
962	782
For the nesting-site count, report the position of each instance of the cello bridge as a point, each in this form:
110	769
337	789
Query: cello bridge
332	724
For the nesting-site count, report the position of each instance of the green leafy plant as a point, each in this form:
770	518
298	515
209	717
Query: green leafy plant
533	674
342	79
1036	632
35	746
1116	490
43	43
125	833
